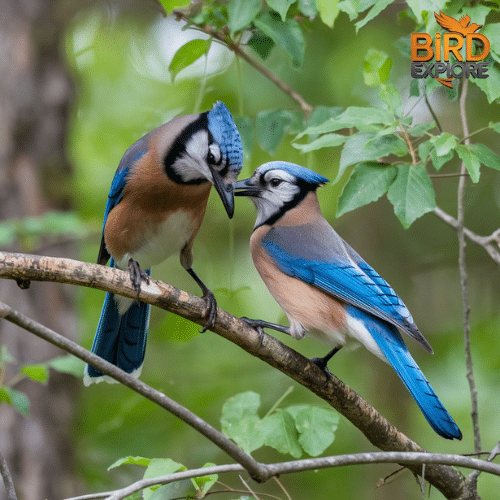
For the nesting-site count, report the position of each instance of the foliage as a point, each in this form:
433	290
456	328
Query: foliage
382	149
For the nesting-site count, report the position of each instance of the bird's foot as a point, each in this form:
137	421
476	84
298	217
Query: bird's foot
210	311
322	364
258	325
136	276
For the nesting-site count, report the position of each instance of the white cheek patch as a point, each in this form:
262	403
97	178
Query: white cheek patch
193	163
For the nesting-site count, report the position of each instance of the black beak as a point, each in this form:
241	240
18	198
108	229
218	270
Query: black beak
246	187
225	191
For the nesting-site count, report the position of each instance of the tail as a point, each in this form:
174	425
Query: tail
394	349
121	340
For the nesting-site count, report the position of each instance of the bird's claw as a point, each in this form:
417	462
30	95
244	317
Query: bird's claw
210	311
257	324
136	276
321	363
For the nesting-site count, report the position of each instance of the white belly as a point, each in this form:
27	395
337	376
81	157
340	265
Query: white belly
169	239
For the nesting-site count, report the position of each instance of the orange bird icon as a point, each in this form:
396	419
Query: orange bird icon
462	27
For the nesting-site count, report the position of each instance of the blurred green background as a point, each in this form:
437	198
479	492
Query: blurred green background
119	59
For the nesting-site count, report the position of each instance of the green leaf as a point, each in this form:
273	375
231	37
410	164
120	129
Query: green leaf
280	6
187	55
159	467
270	127
286	35
420	7
325	141
444	143
471	161
328	11
414	88
261	44
240	422
391	96
131	460
308	8
368	182
170	5
354	7
241	13
376	67
378	7
411	194
421	129
39	373
204	483
18	400
353	116
486	156
491	85
67	364
280	433
316	427
495	126
366	146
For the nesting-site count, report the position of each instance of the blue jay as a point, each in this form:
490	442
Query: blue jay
325	287
156	205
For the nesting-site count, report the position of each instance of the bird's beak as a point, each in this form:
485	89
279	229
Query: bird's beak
225	189
246	187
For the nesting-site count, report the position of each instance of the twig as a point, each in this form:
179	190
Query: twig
7	479
434	116
254	468
295	466
493	453
485	241
376	428
462	266
305	107
409	144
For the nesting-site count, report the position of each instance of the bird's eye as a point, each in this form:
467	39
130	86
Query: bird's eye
213	156
275	182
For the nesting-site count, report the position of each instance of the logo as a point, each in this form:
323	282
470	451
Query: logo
461	44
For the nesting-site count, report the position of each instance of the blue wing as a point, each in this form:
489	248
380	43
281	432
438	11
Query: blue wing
316	254
392	345
136	151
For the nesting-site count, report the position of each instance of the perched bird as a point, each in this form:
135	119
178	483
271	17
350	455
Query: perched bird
462	27
155	208
325	287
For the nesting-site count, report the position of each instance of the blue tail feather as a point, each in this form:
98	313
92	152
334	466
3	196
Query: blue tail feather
394	349
121	340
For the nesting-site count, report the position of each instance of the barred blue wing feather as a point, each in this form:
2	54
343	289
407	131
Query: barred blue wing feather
335	268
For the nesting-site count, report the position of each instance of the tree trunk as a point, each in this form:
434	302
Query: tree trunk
35	92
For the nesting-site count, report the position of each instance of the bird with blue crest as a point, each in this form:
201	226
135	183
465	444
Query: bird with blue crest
155	208
324	287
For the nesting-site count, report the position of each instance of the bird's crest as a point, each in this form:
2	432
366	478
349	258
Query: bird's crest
224	131
297	171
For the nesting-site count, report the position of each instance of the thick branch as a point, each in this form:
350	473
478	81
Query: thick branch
377	430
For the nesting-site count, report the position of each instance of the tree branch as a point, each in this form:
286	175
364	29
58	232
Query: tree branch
254	468
305	465
376	428
305	107
7	479
462	266
489	243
